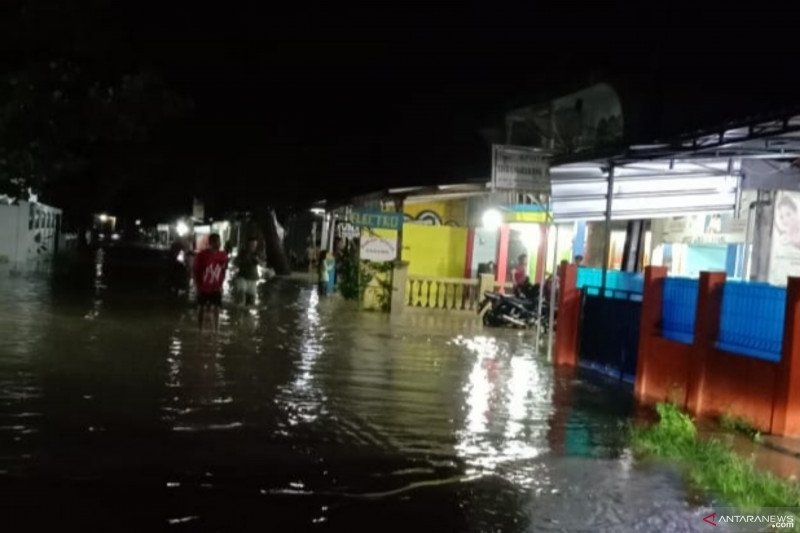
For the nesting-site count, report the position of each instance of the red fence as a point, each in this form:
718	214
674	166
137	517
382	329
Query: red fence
699	376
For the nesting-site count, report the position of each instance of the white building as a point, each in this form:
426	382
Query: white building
28	231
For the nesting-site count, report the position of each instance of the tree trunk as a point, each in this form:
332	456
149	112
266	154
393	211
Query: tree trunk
276	255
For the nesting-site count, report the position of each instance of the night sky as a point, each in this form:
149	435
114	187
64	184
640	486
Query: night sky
293	102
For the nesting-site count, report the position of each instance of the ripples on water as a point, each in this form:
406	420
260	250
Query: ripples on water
116	413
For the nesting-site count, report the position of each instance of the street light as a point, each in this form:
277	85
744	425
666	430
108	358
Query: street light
182	228
492	219
103	218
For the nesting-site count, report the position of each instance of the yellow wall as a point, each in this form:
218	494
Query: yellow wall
438	251
451	211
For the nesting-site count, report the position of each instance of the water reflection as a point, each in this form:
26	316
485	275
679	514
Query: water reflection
301	413
507	397
301	399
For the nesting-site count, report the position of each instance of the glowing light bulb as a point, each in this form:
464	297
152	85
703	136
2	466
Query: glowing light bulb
492	219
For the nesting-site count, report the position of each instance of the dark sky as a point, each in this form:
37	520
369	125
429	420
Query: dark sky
295	101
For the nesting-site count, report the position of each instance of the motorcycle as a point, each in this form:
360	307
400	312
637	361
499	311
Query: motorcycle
520	310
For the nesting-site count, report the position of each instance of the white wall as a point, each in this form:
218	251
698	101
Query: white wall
484	247
9	221
27	231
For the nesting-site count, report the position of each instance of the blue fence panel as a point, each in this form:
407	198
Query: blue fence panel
679	309
752	320
620	285
589	277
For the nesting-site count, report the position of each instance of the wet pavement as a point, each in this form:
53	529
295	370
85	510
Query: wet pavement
302	414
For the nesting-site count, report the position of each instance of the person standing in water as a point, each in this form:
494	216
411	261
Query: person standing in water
519	274
324	272
209	275
247	277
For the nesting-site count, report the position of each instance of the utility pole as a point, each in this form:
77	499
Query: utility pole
399	201
607	247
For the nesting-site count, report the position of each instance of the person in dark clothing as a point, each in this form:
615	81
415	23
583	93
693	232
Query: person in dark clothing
178	270
247	274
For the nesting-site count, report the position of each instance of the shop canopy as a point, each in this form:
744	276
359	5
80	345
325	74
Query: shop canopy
696	173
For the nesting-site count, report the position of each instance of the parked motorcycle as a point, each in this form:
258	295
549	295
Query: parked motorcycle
520	310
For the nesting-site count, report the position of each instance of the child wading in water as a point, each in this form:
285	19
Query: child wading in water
324	272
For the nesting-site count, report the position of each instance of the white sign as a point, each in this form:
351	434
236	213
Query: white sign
198	210
704	229
377	248
348	231
784	256
520	168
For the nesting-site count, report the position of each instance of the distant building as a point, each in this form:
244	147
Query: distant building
28	231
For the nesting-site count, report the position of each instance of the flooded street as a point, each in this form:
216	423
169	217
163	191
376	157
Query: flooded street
303	414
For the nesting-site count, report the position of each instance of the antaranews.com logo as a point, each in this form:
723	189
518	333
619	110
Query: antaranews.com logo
762	519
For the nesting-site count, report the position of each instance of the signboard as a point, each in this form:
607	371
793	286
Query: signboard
376	247
718	228
198	210
346	230
377	219
521	169
784	257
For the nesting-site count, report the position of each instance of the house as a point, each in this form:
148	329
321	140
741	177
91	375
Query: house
28	231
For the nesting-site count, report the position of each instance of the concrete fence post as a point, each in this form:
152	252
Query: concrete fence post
486	285
786	399
649	326
568	320
706	329
399	279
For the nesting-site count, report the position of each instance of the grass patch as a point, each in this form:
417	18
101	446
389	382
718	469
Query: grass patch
712	466
739	425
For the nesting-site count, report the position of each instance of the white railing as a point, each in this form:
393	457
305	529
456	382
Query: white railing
458	294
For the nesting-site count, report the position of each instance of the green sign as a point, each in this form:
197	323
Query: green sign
377	220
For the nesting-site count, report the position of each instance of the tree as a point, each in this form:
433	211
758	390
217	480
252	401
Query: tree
59	121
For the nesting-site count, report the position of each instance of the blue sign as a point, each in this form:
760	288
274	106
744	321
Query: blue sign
377	220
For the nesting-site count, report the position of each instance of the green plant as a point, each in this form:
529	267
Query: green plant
348	274
739	425
670	437
381	272
711	465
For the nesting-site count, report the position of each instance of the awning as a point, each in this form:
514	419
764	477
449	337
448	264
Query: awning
696	173
643	190
774	175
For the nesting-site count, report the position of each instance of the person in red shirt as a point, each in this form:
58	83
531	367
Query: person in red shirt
209	274
520	272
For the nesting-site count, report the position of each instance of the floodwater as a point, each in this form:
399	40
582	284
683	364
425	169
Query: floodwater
303	414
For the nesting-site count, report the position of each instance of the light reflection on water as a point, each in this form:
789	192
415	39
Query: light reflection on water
507	398
301	398
301	412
